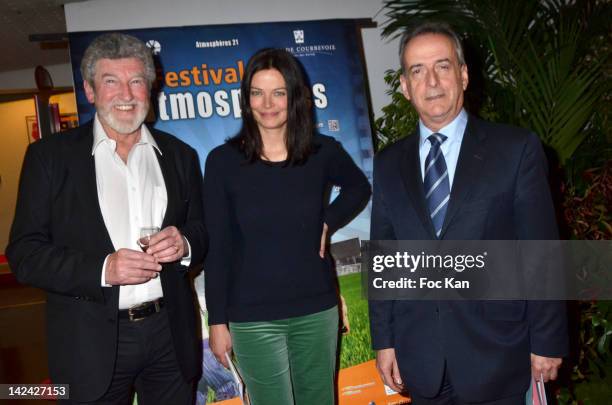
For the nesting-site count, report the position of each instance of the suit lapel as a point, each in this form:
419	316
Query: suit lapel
410	168
167	165
84	172
471	157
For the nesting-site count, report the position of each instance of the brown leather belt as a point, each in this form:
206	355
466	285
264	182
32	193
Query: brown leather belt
141	311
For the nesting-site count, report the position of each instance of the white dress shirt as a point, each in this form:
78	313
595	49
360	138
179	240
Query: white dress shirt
131	196
450	147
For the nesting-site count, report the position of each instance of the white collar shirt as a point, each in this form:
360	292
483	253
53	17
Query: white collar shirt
131	195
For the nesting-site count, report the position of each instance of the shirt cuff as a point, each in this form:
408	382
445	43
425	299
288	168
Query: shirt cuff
186	260
103	277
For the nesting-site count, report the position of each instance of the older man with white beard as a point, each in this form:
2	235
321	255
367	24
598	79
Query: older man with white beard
120	314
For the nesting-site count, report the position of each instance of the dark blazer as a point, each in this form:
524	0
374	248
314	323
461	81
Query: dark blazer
58	242
499	192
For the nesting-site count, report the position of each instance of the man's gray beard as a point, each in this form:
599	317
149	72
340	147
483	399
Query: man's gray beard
121	127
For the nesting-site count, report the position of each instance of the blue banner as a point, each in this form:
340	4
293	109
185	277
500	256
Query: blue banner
199	72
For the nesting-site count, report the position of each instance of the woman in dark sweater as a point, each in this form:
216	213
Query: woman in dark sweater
268	275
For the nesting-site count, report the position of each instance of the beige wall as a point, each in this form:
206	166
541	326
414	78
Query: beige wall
14	141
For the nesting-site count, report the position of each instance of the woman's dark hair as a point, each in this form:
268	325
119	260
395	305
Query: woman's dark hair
300	124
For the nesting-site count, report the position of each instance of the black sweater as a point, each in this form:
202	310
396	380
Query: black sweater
265	221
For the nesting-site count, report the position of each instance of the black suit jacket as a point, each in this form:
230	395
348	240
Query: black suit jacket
499	192
58	242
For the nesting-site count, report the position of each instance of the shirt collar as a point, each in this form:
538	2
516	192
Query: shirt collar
100	136
453	131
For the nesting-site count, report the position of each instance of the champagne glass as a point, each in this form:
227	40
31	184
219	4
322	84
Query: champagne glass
145	236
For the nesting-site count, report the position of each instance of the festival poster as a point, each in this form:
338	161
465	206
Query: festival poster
199	71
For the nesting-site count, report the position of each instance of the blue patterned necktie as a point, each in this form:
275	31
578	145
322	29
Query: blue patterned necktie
435	182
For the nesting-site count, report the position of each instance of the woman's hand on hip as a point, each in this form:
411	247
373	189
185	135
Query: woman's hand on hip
323	241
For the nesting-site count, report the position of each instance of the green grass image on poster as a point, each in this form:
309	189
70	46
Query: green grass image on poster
355	347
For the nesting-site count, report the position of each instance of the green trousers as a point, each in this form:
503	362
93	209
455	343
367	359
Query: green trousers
288	361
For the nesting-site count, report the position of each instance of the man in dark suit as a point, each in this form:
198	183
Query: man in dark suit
120	313
460	178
